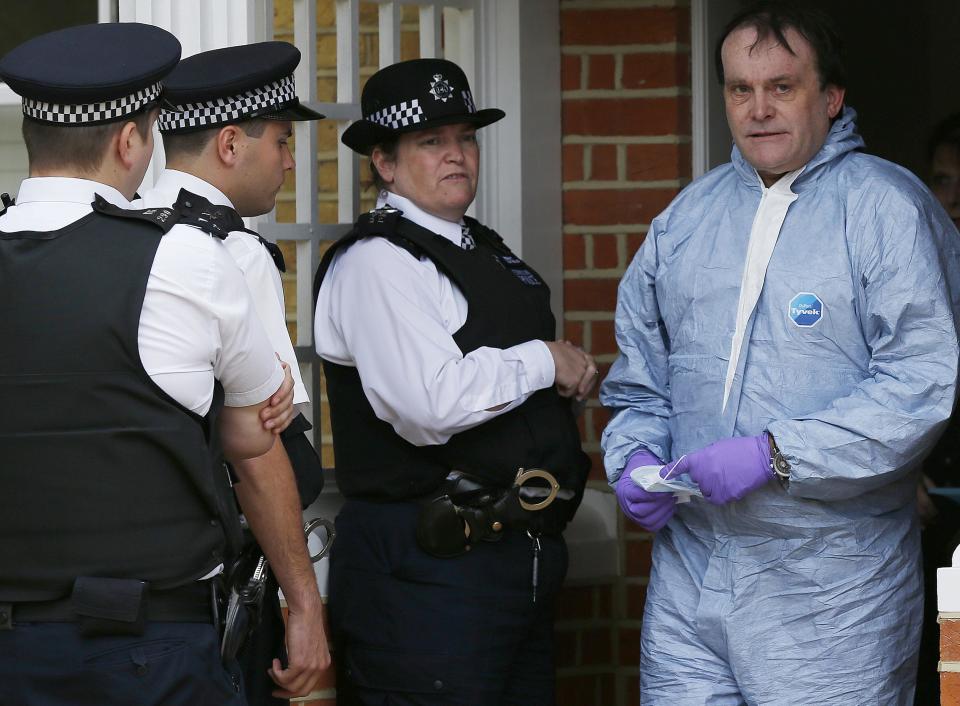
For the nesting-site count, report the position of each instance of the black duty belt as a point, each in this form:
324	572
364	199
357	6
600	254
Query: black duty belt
464	510
105	606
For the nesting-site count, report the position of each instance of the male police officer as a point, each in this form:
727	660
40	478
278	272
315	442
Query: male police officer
225	120
443	383
787	336
116	324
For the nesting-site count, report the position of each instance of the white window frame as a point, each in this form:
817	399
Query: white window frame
711	140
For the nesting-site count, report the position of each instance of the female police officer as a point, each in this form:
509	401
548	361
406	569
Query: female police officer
444	382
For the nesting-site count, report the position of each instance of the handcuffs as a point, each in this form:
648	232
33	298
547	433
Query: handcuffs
450	523
245	602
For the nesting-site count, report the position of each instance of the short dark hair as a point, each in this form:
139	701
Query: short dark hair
389	148
774	18
191	144
946	132
80	147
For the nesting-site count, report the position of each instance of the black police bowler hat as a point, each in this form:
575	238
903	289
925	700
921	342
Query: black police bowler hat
233	84
90	74
414	95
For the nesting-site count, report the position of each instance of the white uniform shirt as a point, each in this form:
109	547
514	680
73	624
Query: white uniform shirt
393	317
262	276
196	323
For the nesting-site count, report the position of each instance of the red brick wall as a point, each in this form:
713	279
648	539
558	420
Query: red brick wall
950	658
626	153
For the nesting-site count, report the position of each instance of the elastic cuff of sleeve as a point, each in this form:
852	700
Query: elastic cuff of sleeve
257	394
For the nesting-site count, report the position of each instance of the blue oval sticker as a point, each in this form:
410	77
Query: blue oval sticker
805	309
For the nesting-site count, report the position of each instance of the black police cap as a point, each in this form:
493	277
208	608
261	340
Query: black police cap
90	74
229	85
414	95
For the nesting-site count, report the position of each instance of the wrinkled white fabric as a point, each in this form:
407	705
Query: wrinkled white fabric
259	272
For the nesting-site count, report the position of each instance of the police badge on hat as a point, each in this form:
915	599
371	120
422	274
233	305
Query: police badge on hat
414	95
440	89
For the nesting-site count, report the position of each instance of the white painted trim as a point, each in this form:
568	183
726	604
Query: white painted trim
699	73
389	18
431	18
348	91
7	96
948	586
518	71
107	10
306	144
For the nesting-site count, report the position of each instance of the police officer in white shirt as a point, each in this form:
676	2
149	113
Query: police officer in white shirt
446	388
132	332
225	121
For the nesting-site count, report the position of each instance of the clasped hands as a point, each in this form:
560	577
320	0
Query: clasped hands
725	471
575	370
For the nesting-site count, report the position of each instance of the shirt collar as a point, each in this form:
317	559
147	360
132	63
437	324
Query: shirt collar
67	190
448	229
783	184
172	180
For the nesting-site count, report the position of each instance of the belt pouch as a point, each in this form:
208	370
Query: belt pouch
106	606
440	529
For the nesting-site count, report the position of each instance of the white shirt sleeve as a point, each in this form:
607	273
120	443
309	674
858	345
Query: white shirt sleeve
266	288
196	324
384	311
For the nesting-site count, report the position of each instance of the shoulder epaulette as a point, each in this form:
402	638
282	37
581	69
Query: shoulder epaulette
492	237
276	254
163	218
379	221
5	202
196	211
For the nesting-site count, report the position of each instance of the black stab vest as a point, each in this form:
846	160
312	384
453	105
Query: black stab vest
508	303
103	473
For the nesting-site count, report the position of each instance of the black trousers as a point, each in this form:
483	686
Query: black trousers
412	629
171	664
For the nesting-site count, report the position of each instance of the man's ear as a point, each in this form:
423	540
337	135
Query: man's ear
835	96
228	142
384	164
129	144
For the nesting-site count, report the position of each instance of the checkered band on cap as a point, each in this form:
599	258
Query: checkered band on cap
87	113
224	110
468	101
397	116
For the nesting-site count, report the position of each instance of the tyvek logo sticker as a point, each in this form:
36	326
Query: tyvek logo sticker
805	309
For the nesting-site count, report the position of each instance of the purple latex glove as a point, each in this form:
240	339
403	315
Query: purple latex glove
729	469
649	510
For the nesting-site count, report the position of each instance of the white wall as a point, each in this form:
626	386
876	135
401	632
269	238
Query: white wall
13	153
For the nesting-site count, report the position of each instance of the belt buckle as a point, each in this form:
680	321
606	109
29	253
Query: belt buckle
523	476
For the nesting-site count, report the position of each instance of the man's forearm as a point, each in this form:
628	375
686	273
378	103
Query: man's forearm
267	493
